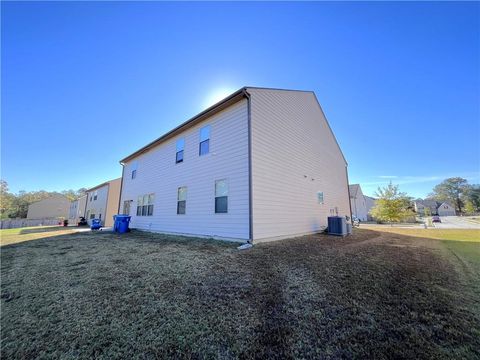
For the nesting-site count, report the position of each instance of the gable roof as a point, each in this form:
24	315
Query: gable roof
57	196
100	185
223	104
432	203
354	189
238	95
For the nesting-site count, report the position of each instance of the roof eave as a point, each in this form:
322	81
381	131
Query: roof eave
221	105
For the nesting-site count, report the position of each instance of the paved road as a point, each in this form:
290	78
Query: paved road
456	222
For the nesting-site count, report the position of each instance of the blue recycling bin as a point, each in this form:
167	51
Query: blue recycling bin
121	223
96	224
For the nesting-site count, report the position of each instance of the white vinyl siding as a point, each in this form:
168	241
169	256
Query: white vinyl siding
294	156
227	159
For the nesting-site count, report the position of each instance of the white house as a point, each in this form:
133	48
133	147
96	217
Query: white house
261	164
102	202
433	208
53	207
445	209
77	209
358	203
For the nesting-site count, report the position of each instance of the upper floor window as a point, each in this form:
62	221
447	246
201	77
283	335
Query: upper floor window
221	196
134	170
182	200
180	148
95	195
145	205
320	197
204	146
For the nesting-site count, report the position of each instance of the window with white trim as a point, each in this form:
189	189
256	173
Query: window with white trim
221	196
182	200
145	205
134	170
180	149
320	199
204	146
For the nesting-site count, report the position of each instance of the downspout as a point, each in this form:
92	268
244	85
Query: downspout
348	190
85	210
250	188
121	186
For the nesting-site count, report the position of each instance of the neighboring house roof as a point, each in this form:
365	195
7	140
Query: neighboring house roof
431	203
221	105
101	185
353	190
371	198
445	203
51	196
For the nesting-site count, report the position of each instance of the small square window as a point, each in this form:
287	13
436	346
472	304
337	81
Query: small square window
221	204
181	207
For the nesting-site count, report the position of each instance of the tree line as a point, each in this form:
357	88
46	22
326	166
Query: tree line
392	205
14	206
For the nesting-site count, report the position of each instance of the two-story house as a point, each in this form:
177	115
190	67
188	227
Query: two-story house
261	164
102	202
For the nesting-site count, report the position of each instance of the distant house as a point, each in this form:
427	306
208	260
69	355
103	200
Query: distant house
432	207
56	206
77	209
262	164
369	203
445	209
358	203
102	202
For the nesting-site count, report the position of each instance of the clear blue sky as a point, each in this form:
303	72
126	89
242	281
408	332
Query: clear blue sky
85	84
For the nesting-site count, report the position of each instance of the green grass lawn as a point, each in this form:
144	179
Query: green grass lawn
12	236
371	295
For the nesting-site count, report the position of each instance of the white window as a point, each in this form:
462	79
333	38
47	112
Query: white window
95	195
320	197
134	170
182	200
204	146
145	205
180	148
221	196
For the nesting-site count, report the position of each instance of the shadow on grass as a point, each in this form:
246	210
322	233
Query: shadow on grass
42	229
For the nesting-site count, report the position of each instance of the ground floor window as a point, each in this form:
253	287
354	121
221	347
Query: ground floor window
145	205
181	200
221	196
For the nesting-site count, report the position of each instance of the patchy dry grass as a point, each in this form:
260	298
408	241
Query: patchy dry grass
371	295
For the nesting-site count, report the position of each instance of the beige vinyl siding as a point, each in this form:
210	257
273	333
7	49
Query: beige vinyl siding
112	200
294	155
106	203
158	173
50	208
